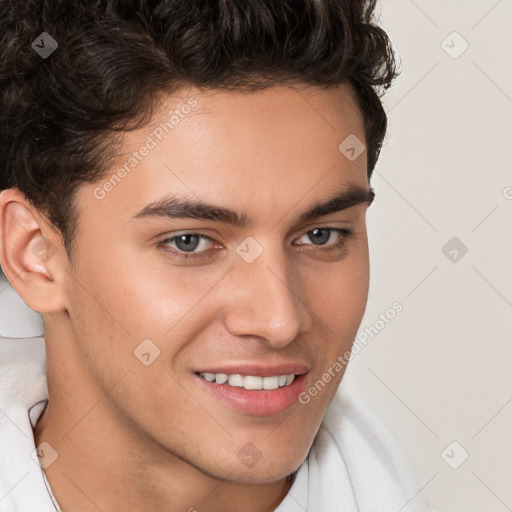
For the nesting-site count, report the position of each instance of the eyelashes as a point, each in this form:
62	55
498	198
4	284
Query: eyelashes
195	240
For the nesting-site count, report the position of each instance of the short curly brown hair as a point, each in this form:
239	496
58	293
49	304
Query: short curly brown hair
59	115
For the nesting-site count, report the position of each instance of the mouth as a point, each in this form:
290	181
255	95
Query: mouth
255	395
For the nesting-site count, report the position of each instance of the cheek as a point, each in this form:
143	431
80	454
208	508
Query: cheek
338	298
143	297
338	294
124	304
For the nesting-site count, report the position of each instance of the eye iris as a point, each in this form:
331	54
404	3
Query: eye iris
188	246
322	239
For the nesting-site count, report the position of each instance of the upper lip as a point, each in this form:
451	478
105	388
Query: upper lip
257	369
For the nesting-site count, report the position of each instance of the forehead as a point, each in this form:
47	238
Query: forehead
239	149
286	95
294	112
335	108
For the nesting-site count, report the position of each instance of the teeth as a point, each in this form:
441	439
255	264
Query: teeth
220	378
250	381
236	380
270	382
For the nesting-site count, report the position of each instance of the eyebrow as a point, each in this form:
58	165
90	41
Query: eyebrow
177	207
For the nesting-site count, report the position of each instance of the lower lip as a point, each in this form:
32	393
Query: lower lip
255	401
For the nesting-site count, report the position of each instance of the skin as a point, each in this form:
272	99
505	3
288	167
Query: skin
150	435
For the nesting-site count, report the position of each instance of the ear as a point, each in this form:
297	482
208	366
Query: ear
32	255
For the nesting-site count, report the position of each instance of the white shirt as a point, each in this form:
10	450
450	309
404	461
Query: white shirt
355	463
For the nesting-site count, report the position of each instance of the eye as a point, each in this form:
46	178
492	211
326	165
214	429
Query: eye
320	237
186	243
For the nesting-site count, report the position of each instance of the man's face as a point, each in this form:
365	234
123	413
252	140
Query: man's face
272	297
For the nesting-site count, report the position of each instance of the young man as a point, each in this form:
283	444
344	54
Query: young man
185	187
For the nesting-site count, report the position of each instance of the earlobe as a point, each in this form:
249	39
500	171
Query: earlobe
28	258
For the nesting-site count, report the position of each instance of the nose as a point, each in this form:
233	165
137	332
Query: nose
265	300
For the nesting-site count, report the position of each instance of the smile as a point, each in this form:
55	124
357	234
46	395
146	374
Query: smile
254	394
251	382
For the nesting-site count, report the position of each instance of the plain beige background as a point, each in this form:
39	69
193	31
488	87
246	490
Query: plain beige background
439	372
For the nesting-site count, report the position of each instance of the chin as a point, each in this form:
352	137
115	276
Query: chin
259	469
260	476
